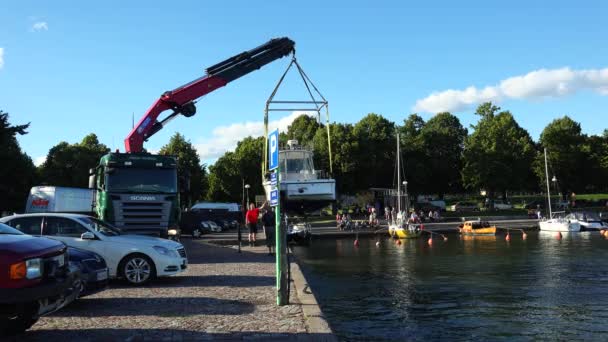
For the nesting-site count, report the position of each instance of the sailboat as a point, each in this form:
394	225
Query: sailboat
558	223
400	228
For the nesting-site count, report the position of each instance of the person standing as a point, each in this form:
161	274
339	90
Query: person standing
268	220
251	219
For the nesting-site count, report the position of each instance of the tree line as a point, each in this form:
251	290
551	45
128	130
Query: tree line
439	155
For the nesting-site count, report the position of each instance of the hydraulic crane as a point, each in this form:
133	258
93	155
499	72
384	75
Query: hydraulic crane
138	192
181	100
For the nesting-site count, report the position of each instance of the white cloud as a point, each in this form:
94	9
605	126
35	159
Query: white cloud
225	138
40	26
539	84
1	58
39	160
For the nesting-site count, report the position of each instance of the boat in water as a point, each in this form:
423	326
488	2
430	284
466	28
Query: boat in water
303	189
589	220
474	228
556	222
401	227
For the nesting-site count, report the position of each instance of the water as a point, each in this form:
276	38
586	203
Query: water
482	288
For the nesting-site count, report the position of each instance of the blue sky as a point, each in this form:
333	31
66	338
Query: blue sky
73	68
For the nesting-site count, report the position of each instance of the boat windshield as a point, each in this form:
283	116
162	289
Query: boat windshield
297	162
587	216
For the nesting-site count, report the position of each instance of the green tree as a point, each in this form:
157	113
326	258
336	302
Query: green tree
244	165
414	159
566	155
192	174
303	129
344	146
498	154
376	139
443	141
68	164
17	174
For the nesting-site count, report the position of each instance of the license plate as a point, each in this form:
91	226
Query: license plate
103	275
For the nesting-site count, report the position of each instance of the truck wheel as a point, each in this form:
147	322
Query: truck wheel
20	322
197	233
137	269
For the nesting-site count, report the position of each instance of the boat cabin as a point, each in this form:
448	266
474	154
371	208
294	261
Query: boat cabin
297	164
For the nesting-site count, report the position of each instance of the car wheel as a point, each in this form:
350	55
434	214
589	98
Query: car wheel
197	233
20	322
138	269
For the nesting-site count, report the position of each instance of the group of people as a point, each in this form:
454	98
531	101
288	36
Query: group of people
267	220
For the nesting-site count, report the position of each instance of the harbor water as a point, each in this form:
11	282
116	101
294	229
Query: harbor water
465	288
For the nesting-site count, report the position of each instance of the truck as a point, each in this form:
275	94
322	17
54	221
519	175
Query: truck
139	191
60	199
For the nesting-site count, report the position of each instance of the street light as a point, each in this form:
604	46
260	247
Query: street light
247	186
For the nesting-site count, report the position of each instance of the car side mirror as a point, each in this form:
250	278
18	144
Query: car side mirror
87	236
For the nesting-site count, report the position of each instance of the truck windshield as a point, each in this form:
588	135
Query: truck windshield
100	226
142	180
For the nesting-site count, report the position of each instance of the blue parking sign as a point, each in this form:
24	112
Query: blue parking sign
273	150
274	198
273	179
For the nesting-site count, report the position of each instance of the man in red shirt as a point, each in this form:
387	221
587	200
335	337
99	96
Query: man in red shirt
251	219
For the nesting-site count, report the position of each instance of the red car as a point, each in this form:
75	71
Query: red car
35	279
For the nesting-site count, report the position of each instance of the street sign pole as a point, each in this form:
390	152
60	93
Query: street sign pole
280	233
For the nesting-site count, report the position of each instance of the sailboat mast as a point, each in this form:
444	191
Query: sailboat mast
548	190
398	175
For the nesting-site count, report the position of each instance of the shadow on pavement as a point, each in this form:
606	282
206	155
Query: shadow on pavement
154	306
204	281
163	334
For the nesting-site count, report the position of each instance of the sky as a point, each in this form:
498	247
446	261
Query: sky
72	68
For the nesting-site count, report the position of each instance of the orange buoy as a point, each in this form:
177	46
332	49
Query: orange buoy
524	235
558	235
508	237
377	243
602	232
430	240
398	242
356	243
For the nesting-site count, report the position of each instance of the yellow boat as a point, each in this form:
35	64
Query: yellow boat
477	228
408	231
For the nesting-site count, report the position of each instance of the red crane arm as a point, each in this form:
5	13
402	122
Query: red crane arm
181	99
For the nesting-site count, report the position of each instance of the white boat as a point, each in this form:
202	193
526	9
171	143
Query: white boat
589	220
302	187
400	228
557	223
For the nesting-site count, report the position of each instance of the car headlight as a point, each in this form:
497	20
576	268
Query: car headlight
165	251
29	269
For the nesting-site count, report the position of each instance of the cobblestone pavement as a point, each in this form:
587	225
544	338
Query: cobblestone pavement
223	295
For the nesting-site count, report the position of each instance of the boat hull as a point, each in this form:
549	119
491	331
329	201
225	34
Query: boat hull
559	226
478	231
404	232
306	190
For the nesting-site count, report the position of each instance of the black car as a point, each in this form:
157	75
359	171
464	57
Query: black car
93	270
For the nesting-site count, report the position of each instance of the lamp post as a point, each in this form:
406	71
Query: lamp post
247	186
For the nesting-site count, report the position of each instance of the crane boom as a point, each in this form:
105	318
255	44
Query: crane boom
181	100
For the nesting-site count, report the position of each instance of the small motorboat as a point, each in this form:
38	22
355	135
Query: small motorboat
477	228
588	220
406	231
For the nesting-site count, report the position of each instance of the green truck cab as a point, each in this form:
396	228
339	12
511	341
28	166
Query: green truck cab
138	193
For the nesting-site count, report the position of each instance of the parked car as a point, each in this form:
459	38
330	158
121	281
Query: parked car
135	258
500	205
94	273
214	227
464	206
35	279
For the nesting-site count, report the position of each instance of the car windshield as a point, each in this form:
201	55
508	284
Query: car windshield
100	226
4	229
138	180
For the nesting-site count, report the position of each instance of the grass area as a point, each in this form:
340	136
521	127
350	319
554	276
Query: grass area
592	197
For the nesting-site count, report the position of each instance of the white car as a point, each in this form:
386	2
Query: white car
499	205
136	258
